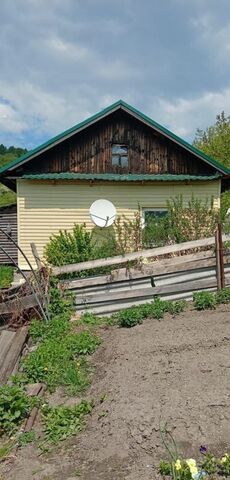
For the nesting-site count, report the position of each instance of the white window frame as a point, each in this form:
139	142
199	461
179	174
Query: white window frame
152	209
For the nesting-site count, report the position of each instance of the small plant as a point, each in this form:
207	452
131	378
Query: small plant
130	317
26	437
61	422
204	301
6	276
224	465
174	308
14	407
223	296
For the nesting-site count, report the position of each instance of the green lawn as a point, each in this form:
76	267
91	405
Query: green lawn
6	276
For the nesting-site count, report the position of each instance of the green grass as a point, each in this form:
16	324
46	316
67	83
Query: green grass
6	276
59	359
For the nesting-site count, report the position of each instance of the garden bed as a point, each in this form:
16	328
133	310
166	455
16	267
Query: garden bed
176	370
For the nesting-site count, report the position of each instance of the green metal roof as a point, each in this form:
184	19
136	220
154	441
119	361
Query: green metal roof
103	113
113	177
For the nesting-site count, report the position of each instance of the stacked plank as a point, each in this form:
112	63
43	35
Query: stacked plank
11	347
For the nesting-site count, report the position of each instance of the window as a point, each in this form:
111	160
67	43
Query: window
150	214
120	156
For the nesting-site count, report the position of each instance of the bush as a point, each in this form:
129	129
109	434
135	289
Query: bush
130	317
70	247
204	301
14	407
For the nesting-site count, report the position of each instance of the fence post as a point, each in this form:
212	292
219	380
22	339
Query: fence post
218	272
221	256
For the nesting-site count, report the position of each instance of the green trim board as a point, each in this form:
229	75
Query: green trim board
113	177
120	104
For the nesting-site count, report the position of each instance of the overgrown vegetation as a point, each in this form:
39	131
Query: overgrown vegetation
6	276
183	222
204	301
59	357
63	421
130	317
14	407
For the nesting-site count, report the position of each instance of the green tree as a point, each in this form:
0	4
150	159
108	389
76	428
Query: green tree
215	140
7	154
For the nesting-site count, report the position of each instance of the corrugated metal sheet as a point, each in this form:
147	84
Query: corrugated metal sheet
8	222
111	177
107	307
44	208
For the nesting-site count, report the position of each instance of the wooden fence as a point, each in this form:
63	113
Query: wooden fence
169	278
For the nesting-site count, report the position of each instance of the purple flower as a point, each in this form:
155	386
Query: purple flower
203	449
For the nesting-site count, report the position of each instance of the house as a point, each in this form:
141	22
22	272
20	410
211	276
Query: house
120	155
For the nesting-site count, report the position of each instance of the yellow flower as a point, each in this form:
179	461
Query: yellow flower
178	464
191	462
45	368
78	364
224	458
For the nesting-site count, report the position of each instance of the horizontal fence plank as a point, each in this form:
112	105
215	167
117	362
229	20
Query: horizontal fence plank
150	253
147	292
178	264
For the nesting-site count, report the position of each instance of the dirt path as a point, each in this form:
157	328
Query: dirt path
175	371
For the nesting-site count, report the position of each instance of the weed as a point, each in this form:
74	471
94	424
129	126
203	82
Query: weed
103	397
26	437
204	301
14	407
130	317
6	276
61	422
55	360
174	308
223	296
5	449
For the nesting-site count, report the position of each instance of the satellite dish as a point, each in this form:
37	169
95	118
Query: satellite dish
102	213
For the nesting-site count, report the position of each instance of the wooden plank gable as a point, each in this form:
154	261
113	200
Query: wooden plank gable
90	151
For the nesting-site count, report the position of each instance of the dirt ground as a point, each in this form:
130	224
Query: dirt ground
176	370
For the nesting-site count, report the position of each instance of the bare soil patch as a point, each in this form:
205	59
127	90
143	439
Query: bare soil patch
176	370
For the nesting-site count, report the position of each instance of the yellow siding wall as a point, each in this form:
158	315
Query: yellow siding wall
46	207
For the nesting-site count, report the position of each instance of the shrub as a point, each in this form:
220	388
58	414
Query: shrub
223	296
61	422
174	308
204	301
70	247
14	407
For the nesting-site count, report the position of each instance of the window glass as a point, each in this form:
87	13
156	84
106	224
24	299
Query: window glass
150	214
120	155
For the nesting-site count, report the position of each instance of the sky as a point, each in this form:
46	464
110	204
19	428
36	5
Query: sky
64	60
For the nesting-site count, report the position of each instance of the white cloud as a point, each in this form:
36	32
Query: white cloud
184	116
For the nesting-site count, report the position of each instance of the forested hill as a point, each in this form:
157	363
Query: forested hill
7	154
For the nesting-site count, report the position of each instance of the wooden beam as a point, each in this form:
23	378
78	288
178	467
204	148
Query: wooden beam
151	253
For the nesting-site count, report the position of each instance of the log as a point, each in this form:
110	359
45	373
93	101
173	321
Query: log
147	292
151	253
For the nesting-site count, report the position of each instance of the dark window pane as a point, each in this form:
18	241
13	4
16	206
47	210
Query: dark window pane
115	160
119	149
124	161
151	214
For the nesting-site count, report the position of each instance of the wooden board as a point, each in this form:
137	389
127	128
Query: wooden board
163	267
19	304
150	253
13	353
